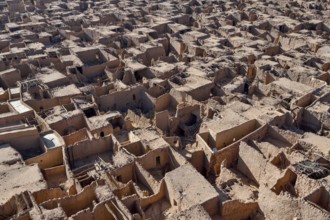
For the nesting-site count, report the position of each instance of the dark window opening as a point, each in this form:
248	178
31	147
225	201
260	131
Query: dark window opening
101	134
138	77
134	97
283	28
79	68
246	88
158	161
118	178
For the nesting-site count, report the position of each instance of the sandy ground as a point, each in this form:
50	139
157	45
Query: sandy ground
19	179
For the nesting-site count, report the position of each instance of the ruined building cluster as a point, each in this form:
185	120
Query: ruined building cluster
177	109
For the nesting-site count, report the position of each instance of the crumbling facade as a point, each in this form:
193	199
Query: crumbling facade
164	109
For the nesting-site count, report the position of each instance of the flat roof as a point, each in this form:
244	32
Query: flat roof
65	91
19	106
189	186
50	75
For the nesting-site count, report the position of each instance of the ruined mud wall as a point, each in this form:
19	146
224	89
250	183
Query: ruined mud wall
123	100
145	178
87	148
227	137
136	148
75	137
75	122
163	102
4	96
53	157
126	173
162	120
45	104
159	195
9	78
229	209
202	93
48	194
93	71
149	161
230	153
199	161
206	147
75	203
14	118
23	139
100	212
